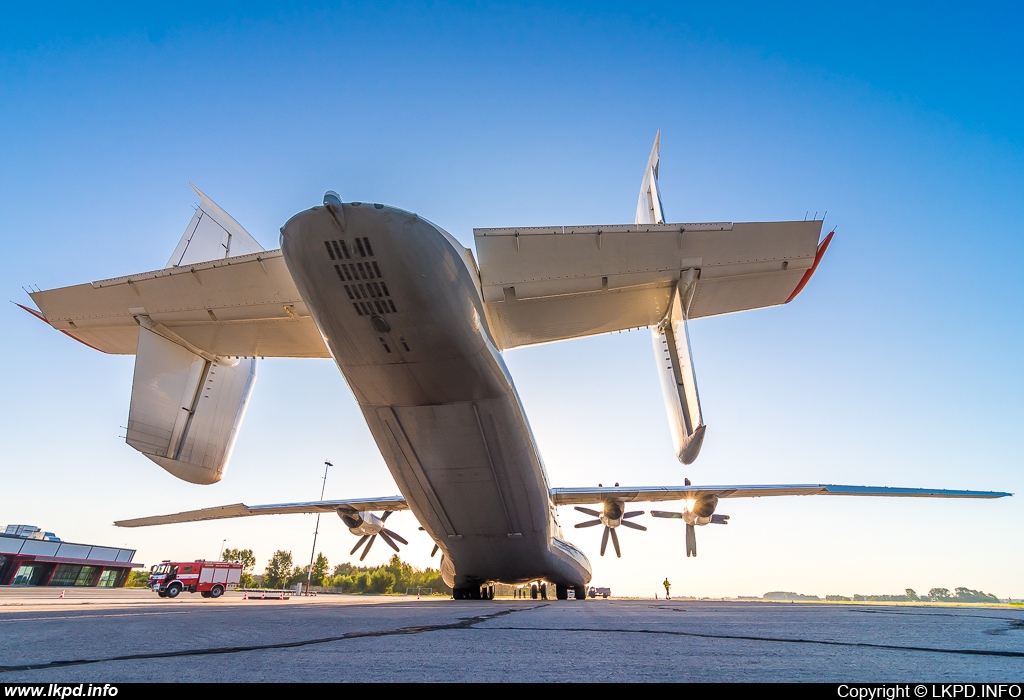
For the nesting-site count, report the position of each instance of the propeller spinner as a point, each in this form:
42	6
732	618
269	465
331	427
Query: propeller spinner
611	517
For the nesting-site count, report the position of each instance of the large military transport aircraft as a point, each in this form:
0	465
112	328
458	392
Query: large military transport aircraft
417	327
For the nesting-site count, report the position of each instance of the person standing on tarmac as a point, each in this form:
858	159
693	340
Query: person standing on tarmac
667	585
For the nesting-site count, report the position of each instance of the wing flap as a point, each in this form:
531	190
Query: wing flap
241	510
656	494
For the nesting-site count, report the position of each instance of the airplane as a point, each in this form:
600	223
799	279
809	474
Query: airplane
417	327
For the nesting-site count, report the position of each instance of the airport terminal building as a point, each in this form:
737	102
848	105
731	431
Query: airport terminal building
31	557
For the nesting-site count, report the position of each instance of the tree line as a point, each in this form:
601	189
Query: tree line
961	594
281	572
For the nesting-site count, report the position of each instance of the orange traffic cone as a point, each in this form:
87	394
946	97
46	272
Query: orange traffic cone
245	595
61	594
263	595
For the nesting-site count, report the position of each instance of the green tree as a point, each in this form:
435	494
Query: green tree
247	559
278	569
382	581
912	594
137	579
320	569
939	593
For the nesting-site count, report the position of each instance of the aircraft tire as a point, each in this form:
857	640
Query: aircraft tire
581	592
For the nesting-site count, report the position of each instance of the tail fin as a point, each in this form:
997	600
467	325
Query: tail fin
648	206
187	405
186	408
211	235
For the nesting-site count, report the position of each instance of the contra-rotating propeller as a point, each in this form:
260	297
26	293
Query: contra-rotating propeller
369	526
611	517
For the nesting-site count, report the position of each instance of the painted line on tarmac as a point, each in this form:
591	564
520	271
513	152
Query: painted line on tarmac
462	623
746	638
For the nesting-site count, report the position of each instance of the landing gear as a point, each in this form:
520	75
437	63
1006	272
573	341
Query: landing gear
534	591
561	592
543	591
581	592
474	593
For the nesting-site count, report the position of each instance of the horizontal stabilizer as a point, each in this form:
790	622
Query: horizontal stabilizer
240	510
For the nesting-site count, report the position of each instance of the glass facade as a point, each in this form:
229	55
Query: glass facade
28	575
65	575
87	576
109	578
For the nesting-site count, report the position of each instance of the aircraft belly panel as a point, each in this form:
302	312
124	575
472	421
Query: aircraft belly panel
412	342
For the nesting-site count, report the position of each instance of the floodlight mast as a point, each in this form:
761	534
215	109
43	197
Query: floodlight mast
316	531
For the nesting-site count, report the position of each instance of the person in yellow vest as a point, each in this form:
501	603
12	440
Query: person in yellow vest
667	585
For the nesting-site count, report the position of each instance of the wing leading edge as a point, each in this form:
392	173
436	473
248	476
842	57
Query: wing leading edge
655	494
241	510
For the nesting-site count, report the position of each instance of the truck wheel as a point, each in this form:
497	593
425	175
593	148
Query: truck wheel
162	594
205	594
173	590
217	591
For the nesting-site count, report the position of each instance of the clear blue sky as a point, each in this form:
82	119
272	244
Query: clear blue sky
899	365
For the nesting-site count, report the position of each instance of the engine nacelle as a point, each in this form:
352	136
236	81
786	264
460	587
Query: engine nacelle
361	522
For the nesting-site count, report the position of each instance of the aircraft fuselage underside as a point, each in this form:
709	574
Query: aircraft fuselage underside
403	317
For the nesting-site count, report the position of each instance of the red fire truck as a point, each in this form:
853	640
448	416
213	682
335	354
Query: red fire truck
209	578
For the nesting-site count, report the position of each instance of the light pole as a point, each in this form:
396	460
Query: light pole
316	531
222	543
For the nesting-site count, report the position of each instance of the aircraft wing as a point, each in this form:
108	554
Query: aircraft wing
557	282
240	510
654	494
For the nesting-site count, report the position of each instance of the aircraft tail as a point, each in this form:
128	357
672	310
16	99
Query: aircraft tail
211	235
187	404
671	337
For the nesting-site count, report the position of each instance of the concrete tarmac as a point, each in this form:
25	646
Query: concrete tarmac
111	636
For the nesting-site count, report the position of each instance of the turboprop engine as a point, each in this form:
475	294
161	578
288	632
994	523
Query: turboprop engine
698	511
611	516
368	525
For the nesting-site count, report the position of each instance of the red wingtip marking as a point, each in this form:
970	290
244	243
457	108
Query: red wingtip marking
817	259
32	311
43	319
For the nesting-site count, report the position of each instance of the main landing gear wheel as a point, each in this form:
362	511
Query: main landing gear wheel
581	592
561	592
543	591
534	592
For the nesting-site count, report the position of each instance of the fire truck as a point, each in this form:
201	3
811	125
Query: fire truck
208	578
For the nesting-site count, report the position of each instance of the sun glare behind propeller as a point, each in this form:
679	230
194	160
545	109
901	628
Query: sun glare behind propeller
691	530
389	536
610	529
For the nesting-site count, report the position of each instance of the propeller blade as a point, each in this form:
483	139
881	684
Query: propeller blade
615	543
633	525
589	523
359	544
434	550
632	514
394	535
588	511
387	539
666	514
604	540
368	545
691	541
386	514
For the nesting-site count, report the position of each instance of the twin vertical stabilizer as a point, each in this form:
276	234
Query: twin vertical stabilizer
671	336
187	404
